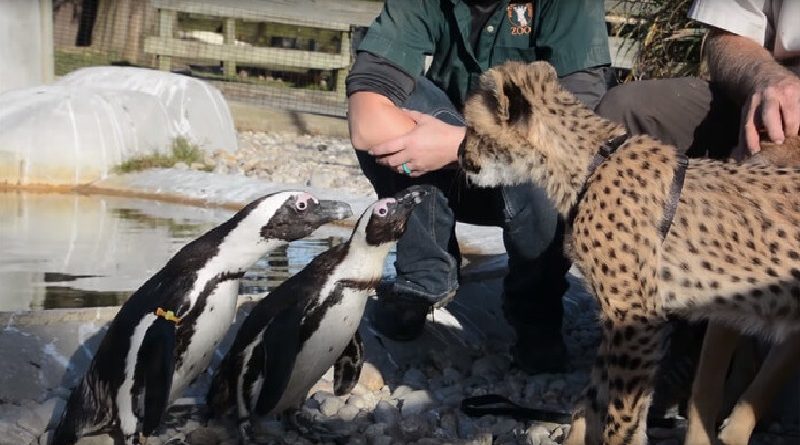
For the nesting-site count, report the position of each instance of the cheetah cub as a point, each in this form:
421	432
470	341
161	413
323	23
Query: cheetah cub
731	253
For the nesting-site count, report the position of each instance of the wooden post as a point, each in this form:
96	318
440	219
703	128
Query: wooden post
166	26
229	38
341	74
48	58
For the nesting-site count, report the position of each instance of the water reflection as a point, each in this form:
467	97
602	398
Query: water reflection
72	250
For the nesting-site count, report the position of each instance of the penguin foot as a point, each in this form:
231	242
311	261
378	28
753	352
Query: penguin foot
246	435
315	429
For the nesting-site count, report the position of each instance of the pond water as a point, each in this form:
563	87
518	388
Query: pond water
74	250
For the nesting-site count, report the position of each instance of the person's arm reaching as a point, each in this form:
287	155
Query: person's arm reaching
393	135
769	92
375	119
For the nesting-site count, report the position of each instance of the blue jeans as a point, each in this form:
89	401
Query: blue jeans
428	258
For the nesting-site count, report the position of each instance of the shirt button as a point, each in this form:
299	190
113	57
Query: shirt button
490	28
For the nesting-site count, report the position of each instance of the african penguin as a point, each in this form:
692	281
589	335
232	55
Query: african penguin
165	334
309	323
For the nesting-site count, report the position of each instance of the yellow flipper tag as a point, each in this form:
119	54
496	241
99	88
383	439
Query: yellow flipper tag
168	315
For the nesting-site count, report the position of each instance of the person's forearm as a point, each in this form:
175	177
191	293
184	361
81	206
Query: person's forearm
739	65
374	119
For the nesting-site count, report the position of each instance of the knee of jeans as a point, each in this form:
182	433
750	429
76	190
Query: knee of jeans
621	102
529	232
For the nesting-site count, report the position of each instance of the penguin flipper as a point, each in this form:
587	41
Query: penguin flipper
281	344
347	367
157	353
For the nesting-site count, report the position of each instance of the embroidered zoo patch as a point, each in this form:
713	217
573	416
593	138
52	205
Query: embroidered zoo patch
521	17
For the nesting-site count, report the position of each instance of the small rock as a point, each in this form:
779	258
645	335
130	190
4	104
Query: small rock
482	438
558	434
415	378
356	440
536	435
101	439
401	391
347	412
375	430
415	402
381	440
311	404
413	427
180	166
330	406
490	366
505	426
466	427
201	436
359	402
451	376
321	396
386	413
268	426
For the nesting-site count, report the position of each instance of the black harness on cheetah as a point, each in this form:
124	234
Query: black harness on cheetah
606	150
498	405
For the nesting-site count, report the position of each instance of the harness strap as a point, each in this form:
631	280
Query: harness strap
607	149
168	315
674	196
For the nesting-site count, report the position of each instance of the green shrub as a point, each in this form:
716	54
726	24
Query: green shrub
670	42
182	151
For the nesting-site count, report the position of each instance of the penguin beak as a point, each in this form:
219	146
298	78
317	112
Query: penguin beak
330	210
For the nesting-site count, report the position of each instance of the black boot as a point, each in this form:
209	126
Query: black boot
399	317
539	351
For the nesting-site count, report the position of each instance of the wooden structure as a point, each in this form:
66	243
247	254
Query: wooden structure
341	16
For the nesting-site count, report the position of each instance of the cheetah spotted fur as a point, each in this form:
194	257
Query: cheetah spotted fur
731	255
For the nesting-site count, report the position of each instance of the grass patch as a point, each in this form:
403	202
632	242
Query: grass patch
68	60
181	151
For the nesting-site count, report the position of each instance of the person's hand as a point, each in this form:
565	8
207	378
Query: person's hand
429	146
774	109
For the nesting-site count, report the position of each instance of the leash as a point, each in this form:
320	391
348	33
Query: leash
497	405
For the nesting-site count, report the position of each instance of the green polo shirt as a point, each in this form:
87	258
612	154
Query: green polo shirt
569	34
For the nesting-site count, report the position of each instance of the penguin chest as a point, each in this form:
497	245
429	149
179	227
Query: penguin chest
202	336
337	325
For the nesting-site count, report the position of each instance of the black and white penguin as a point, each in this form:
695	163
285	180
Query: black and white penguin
165	334
309	323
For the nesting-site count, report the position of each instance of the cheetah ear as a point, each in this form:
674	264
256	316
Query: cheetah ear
495	100
542	72
518	106
503	97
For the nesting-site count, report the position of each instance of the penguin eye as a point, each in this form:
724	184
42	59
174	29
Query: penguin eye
383	211
301	205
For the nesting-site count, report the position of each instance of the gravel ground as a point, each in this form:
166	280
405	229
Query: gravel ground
421	405
313	161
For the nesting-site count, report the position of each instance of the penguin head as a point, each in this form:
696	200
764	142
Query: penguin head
385	220
293	215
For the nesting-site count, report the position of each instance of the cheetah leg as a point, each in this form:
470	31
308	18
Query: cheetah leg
588	415
778	367
707	390
634	352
